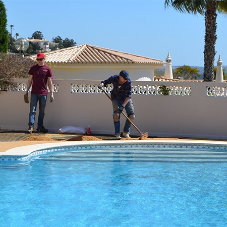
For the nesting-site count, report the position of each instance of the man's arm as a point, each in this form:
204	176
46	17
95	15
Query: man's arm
128	92
126	101
29	83
50	86
121	108
108	81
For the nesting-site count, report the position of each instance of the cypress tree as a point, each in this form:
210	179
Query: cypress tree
3	30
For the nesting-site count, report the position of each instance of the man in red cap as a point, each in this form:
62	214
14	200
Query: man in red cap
40	75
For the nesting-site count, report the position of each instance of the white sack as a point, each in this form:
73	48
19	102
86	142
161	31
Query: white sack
72	129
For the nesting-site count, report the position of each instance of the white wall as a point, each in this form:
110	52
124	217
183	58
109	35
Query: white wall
198	115
97	72
137	74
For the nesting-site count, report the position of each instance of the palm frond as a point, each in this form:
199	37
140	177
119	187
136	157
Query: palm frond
222	6
189	6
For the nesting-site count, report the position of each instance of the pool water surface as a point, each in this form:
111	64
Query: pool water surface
116	187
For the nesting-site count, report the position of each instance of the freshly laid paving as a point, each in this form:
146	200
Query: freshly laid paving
11	139
6	136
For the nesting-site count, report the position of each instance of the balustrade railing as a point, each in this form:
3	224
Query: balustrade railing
176	90
216	91
23	87
136	89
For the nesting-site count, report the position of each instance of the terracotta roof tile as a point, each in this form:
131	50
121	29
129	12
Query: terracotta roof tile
92	54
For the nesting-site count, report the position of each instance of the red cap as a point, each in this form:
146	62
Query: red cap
40	55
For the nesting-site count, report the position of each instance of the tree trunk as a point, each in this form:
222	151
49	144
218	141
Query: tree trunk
210	40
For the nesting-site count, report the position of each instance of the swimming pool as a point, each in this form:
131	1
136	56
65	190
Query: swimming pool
143	184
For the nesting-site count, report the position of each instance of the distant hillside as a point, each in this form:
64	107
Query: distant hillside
201	68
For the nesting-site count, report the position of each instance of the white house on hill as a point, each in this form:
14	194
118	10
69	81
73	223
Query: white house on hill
44	44
97	63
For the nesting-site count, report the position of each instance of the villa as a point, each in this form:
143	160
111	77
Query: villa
44	44
97	63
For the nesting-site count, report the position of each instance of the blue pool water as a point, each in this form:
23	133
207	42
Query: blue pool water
116	187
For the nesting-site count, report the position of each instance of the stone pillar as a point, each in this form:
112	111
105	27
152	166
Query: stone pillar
219	73
168	70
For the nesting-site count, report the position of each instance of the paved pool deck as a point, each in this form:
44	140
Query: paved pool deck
13	139
13	142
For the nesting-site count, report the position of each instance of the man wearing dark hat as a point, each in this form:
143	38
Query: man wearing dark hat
40	75
121	95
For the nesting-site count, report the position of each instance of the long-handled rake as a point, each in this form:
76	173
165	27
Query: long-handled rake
142	136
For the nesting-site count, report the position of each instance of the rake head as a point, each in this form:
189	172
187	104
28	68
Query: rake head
144	136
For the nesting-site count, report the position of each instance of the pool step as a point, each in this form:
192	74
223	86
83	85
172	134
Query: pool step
163	155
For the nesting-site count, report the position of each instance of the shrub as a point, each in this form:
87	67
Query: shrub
13	66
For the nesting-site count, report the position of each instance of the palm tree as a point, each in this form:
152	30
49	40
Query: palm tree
208	8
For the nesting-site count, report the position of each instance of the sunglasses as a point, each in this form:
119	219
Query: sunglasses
39	59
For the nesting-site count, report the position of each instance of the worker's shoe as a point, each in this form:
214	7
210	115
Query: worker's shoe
126	135
30	129
42	129
118	136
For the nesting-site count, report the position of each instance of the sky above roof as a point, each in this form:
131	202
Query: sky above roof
141	27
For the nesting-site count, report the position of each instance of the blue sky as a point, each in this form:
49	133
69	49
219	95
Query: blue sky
141	27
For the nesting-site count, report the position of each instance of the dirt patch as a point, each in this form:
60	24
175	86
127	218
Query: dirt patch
75	138
79	138
37	138
84	138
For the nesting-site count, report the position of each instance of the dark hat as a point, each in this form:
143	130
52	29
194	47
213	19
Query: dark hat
40	55
124	74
